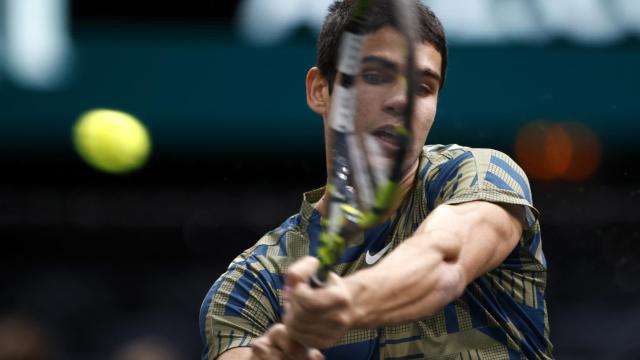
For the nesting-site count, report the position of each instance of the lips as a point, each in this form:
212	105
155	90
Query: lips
386	136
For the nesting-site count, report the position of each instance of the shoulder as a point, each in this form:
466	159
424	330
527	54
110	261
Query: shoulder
438	159
274	242
438	154
454	174
441	154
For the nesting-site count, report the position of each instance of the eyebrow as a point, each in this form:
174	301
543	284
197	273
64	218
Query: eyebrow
392	66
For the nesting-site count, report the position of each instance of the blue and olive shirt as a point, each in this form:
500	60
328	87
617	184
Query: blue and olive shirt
500	315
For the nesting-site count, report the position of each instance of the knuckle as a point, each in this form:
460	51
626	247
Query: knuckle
261	341
258	347
277	329
342	299
343	320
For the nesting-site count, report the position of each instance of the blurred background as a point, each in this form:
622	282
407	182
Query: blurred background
98	266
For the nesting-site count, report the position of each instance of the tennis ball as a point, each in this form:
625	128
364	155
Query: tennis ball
111	141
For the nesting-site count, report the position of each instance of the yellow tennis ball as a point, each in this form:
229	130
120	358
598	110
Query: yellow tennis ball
111	141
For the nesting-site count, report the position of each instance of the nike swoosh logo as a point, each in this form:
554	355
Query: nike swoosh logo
372	259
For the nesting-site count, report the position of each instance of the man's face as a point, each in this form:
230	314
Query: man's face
381	90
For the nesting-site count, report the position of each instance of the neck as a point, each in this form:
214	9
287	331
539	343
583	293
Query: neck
406	184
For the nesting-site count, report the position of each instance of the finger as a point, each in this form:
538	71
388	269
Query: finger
259	349
317	312
331	297
301	271
280	337
263	349
315	354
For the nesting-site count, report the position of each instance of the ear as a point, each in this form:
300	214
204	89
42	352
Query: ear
317	92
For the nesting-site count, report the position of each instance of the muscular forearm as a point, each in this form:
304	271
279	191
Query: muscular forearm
431	269
413	281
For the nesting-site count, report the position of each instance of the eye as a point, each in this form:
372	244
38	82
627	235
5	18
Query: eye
374	77
424	90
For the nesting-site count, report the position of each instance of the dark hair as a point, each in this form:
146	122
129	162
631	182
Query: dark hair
380	15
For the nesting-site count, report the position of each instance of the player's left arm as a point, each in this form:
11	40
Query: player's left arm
454	245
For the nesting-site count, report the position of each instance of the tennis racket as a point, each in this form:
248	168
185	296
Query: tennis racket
365	178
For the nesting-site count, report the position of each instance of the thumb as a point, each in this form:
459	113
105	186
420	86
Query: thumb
301	271
315	354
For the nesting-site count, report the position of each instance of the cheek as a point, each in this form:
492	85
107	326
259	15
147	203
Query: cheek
366	114
424	117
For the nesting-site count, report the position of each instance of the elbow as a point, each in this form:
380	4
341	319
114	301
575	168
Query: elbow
452	279
449	279
452	283
448	288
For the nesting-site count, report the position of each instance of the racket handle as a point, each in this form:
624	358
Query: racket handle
319	279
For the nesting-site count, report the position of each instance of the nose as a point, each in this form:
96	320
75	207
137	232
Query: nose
396	103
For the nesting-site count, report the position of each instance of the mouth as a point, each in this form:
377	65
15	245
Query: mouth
387	138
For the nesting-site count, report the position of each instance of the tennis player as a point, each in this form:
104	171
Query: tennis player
455	272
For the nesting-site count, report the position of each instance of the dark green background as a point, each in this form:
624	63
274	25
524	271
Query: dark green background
203	91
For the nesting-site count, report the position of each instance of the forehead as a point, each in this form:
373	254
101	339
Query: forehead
388	43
